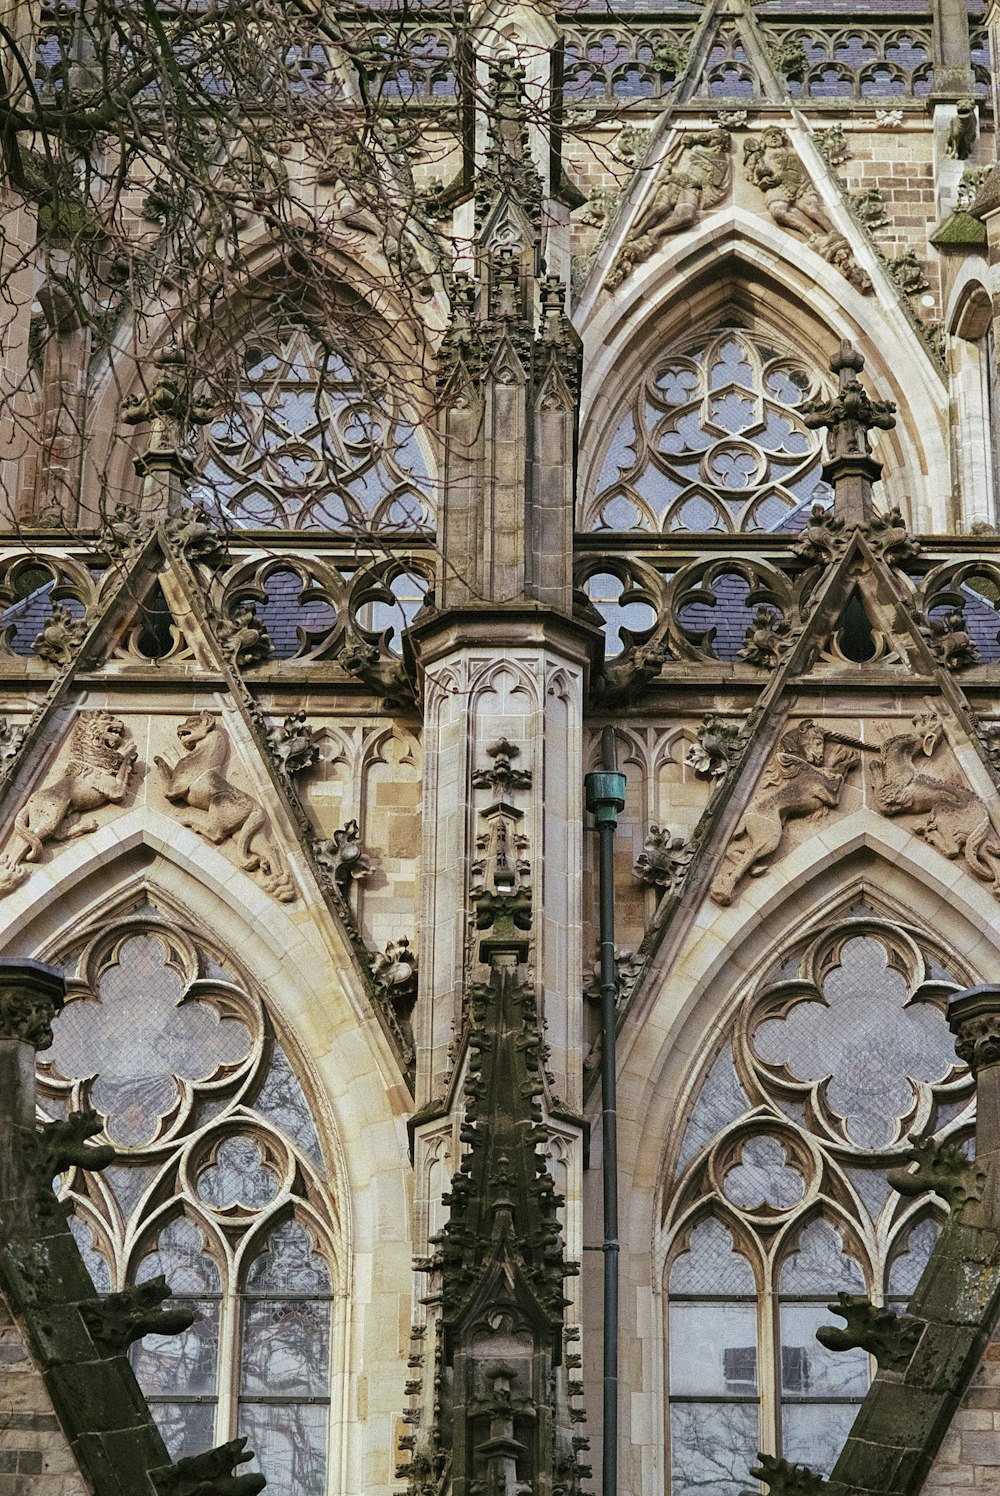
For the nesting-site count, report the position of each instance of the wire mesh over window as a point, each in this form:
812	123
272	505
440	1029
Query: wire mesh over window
712	439
311	444
220	1186
781	1201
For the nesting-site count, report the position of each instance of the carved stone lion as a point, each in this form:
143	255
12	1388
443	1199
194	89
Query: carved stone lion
100	764
218	810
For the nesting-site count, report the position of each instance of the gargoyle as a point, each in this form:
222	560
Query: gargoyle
890	1338
210	1474
622	679
63	1145
119	1318
799	781
785	1478
217	809
941	1167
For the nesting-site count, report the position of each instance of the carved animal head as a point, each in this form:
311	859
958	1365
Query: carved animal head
97	740
193	730
928	728
805	741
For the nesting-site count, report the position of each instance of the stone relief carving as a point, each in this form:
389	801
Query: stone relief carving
697	180
800	781
217	810
953	818
771	163
101	758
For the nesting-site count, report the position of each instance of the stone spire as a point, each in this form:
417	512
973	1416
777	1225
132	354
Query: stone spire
172	409
848	417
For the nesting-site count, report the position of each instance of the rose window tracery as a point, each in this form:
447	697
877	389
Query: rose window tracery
309	444
712	440
220	1186
781	1200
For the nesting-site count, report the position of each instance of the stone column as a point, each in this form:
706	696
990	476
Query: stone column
974	1019
30	996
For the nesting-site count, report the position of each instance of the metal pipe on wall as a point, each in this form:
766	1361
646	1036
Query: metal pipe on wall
605	799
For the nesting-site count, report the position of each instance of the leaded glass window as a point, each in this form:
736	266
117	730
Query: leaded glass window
221	1187
713	439
781	1201
311	443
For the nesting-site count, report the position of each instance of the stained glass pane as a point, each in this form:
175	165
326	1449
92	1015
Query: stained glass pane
281	1100
820	1265
239	1176
813	1434
138	1035
312	445
713	439
187	1428
712	1447
713	1350
908	1265
710	1265
289	1265
184	1363
868	1037
286	1347
97	1267
808	1369
763	1177
289	1442
181	1257
720	1101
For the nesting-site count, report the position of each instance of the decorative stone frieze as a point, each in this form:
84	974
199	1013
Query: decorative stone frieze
771	162
697	179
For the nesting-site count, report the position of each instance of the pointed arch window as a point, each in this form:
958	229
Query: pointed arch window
312	442
781	1201
221	1186
713	439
